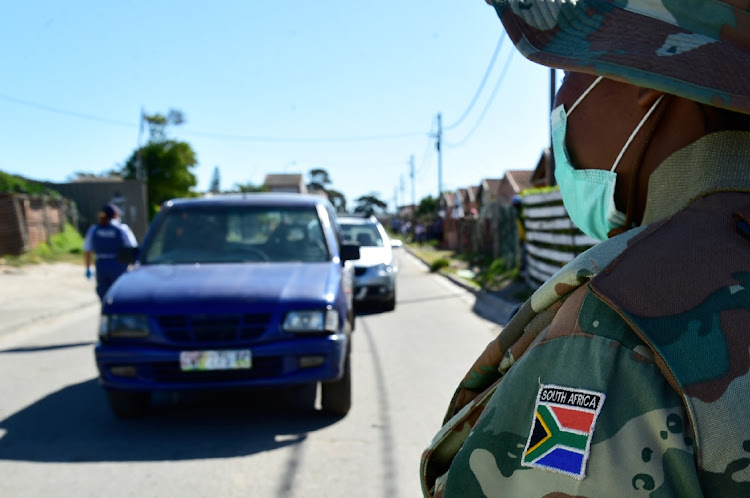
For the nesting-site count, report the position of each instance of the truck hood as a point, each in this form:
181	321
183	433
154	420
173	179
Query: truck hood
192	287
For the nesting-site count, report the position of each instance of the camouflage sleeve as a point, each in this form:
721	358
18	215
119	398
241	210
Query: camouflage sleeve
584	412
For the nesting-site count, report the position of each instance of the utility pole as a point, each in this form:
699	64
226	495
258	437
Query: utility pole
401	189
138	155
552	92
440	158
411	174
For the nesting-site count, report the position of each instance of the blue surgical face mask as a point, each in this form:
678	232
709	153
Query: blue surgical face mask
588	194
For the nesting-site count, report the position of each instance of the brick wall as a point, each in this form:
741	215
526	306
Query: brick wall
26	221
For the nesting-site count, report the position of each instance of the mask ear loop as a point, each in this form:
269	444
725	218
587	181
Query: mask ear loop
586	92
633	190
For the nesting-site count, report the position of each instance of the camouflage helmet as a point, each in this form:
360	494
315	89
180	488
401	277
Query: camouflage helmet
697	49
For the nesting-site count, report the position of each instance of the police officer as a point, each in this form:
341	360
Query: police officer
104	240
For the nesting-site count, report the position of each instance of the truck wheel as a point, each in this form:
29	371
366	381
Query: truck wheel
127	404
336	396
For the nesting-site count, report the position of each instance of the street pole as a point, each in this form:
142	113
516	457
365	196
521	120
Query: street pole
138	155
440	158
401	188
411	174
552	92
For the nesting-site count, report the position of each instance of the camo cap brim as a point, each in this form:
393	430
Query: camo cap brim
697	49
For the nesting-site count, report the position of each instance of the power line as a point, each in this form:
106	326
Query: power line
216	136
249	138
487	106
66	112
428	148
481	85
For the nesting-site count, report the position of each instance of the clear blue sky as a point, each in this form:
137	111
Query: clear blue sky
271	87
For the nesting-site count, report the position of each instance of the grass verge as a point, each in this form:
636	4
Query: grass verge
66	246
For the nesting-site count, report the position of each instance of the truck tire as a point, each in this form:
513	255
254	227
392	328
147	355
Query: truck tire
336	396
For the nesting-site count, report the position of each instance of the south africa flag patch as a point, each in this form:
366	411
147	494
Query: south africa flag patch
560	438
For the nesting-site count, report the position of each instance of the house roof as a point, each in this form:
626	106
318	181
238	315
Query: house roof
519	179
491	185
544	169
449	199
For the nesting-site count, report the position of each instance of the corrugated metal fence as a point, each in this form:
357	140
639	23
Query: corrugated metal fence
552	240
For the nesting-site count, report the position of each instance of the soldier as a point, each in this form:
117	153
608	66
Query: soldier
104	240
626	374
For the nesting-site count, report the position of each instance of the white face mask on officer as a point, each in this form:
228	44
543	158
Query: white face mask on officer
588	194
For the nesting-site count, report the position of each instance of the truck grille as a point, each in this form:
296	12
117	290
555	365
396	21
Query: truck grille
213	329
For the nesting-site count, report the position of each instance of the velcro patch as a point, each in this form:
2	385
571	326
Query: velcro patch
560	437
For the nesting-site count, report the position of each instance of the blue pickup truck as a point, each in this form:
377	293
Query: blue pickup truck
246	290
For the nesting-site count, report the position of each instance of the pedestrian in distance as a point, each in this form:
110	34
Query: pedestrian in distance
521	231
420	232
104	240
627	373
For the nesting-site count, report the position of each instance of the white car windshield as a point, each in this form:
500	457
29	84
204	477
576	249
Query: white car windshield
366	235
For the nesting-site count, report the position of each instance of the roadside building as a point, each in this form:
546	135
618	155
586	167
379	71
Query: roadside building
283	182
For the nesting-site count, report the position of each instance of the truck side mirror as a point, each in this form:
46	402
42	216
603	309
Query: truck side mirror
127	255
349	251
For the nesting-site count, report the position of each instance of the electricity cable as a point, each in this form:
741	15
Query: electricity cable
217	136
66	112
429	147
481	85
487	106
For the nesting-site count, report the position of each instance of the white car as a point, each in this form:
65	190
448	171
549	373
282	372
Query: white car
375	271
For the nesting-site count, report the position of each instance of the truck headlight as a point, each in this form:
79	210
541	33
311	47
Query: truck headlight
123	326
311	321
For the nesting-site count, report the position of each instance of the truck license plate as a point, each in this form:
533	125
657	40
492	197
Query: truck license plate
215	360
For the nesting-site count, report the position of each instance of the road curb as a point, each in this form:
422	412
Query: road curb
487	306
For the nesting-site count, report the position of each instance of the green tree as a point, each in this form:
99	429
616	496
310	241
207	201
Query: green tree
427	207
337	199
319	179
370	204
164	163
215	187
248	188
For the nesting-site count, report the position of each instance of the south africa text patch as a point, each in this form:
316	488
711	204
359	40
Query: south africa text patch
561	432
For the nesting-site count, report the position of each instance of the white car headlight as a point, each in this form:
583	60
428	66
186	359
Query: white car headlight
123	326
311	321
383	270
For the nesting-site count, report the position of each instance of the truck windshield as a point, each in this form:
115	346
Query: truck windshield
236	234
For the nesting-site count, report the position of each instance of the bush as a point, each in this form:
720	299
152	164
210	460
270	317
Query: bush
64	246
69	241
488	276
439	264
19	185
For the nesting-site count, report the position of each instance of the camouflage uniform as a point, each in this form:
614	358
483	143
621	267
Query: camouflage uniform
667	354
627	373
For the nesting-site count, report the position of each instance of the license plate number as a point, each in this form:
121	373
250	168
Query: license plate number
215	360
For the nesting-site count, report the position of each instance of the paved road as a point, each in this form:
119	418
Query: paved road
58	437
36	292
